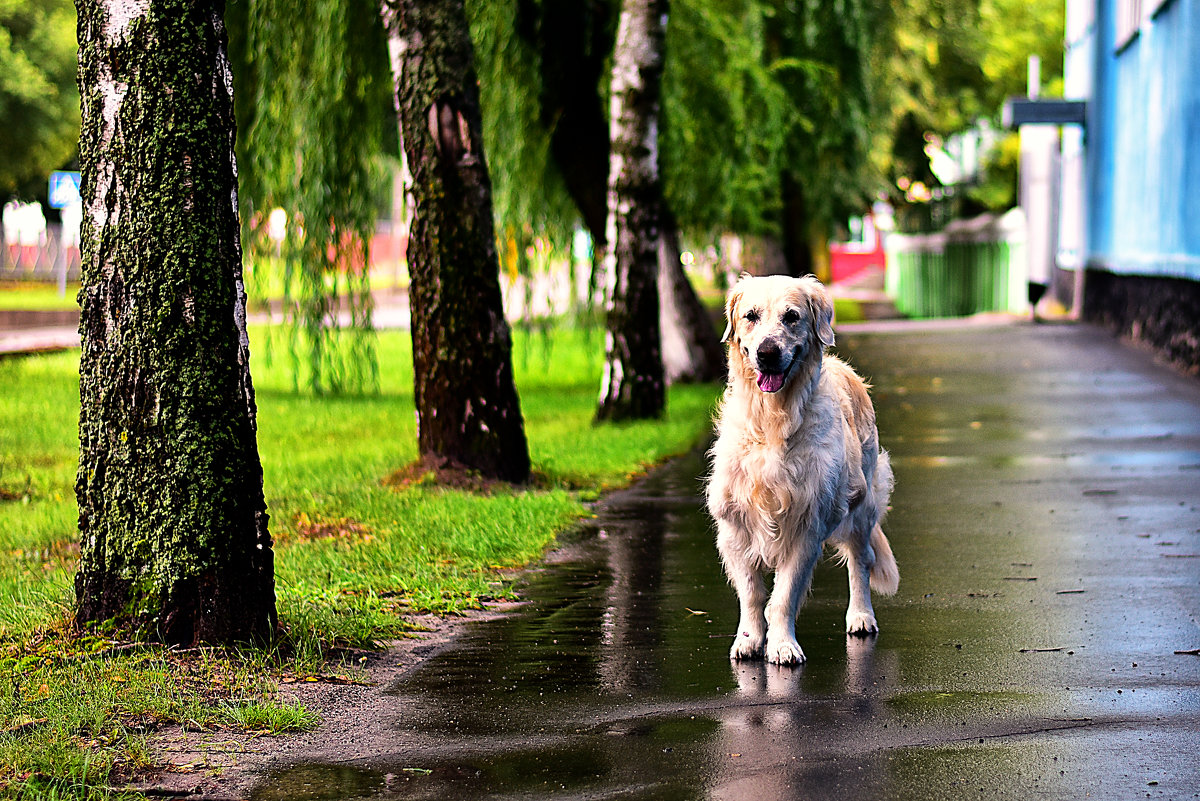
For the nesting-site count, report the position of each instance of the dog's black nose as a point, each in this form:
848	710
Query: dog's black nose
770	357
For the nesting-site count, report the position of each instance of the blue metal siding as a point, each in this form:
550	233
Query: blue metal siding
1144	145
1101	127
1190	175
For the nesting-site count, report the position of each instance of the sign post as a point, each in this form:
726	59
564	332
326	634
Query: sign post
64	195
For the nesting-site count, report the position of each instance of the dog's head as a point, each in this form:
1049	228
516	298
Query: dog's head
777	324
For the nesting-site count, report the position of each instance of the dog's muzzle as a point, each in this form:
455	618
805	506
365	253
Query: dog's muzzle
773	364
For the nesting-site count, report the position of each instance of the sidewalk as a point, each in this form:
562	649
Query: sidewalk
1046	519
25	333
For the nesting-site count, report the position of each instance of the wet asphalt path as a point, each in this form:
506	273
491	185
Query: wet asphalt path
1047	523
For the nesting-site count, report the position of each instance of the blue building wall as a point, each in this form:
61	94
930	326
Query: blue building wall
1143	143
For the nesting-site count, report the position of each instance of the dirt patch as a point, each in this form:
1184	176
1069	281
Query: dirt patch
438	472
446	473
355	719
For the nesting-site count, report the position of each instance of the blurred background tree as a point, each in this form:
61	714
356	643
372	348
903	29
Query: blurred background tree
39	99
633	384
945	64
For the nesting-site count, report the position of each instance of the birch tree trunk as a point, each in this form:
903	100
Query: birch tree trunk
171	510
468	410
633	385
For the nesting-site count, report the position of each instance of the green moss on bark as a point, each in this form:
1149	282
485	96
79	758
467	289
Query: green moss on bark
462	348
172	517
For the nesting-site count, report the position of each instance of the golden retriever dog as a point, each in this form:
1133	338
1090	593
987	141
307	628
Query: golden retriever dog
796	464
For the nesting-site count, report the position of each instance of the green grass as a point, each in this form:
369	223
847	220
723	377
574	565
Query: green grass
25	295
847	310
353	556
267	278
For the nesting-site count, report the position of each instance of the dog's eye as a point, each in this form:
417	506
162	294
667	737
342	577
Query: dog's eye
791	317
752	316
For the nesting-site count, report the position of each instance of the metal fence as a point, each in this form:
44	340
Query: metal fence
972	266
47	260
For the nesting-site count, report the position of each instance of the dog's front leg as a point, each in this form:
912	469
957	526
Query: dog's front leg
860	615
791	585
751	591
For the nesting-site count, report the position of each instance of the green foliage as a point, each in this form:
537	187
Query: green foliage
753	90
997	191
528	195
946	63
318	138
823	53
726	117
39	101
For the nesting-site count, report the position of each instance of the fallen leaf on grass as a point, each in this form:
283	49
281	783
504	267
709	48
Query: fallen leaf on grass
336	680
24	723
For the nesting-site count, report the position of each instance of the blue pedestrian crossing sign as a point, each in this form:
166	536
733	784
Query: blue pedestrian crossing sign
64	189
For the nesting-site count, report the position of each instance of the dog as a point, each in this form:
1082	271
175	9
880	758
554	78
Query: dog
796	464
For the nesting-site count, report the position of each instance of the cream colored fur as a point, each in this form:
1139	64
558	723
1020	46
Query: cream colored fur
795	468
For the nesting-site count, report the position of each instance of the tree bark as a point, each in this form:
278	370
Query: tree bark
171	510
797	249
575	41
633	385
691	349
467	405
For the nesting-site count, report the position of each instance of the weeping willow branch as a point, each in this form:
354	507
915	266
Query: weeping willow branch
315	143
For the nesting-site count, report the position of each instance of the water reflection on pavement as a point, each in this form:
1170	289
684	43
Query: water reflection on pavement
1046	524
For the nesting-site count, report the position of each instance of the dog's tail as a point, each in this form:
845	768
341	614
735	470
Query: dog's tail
885	573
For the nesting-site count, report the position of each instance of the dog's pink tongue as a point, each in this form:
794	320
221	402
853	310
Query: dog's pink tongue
770	382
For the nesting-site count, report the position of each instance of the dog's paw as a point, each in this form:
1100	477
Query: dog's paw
785	652
862	623
746	646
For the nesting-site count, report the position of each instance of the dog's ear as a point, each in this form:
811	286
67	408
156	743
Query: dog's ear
821	306
731	311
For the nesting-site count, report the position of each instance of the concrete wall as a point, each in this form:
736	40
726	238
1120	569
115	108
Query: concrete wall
1160	313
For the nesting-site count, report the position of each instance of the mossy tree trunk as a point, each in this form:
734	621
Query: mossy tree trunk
633	385
468	411
171	510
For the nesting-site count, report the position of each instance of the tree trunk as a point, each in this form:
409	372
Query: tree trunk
691	349
171	510
633	385
467	405
797	249
576	40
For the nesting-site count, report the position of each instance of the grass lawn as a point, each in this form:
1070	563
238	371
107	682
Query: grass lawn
24	295
353	554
